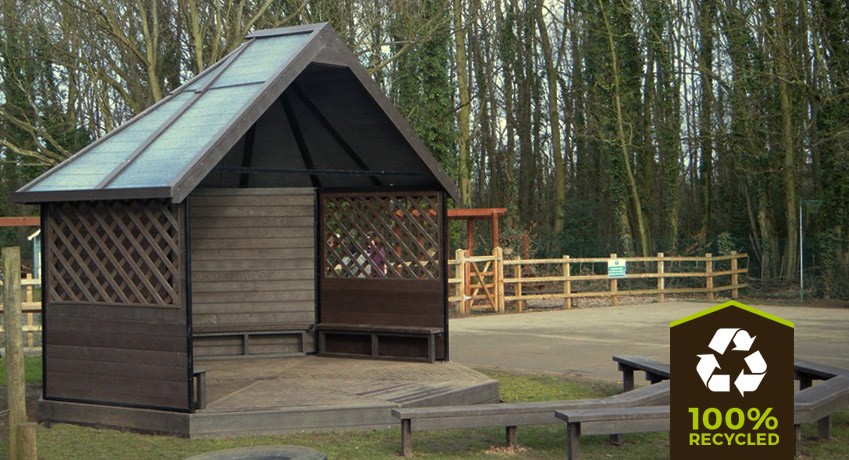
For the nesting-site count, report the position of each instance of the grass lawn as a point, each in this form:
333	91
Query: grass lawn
539	442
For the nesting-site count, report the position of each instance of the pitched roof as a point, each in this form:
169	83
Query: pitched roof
170	148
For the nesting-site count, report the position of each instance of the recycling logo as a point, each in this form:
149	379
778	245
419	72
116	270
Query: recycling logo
710	372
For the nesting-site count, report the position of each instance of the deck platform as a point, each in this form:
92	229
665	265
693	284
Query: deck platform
269	396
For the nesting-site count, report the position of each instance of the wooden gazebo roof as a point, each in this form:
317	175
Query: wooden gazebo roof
293	104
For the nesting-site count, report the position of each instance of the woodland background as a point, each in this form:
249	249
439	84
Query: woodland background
681	126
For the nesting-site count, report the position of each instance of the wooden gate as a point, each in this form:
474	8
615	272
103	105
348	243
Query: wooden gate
481	278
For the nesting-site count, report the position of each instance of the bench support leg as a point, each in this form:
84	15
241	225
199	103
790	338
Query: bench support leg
616	439
805	382
627	380
797	429
200	389
573	433
406	438
824	427
512	441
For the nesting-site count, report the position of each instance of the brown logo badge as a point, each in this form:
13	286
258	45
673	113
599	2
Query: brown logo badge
732	390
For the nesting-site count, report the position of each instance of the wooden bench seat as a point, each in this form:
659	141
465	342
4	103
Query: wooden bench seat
512	415
248	331
610	420
817	403
656	371
375	333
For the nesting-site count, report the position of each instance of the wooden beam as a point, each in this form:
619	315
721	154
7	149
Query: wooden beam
333	132
247	155
475	213
299	137
20	221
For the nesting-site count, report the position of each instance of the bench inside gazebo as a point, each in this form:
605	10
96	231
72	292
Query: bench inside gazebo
277	205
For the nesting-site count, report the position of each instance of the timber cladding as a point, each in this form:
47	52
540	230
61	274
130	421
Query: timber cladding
253	264
115	319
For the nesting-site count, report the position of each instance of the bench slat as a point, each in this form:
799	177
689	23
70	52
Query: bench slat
340	327
249	328
612	414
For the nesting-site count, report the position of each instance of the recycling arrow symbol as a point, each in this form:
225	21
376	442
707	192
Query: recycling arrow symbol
721	383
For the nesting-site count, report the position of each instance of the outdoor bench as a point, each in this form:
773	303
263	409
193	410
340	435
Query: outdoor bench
816	404
806	372
249	331
375	333
656	371
610	420
512	415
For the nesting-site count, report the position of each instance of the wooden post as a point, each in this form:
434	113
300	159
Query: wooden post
15	385
614	287
709	275
567	283
498	278
461	275
661	281
470	237
735	291
30	323
520	304
27	449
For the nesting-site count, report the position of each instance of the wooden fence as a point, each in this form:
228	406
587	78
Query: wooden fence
31	308
489	282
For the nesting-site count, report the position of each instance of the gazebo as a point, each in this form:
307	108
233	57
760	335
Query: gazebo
276	204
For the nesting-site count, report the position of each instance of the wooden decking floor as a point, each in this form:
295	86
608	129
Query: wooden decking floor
264	396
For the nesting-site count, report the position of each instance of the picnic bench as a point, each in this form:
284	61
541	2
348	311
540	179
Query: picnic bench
248	332
656	371
816	404
512	415
610	420
375	333
806	372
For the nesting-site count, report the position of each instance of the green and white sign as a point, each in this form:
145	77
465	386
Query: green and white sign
616	268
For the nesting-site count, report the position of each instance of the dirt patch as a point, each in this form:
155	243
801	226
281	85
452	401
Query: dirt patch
33	393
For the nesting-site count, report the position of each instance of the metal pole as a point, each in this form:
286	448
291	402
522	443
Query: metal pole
801	254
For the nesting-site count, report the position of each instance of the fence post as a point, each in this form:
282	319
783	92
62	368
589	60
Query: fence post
567	283
30	323
498	278
460	273
517	271
735	291
14	348
709	275
661	281
614	287
467	284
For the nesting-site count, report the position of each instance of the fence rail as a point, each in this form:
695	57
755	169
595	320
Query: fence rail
30	308
480	281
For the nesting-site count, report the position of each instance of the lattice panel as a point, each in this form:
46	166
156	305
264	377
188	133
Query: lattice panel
114	252
382	236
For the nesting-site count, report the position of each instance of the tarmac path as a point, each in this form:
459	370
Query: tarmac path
581	341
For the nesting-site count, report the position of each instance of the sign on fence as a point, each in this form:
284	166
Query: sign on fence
616	268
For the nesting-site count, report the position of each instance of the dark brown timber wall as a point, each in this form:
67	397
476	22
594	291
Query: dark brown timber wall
253	264
114	317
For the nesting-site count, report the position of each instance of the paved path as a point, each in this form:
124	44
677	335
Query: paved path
580	342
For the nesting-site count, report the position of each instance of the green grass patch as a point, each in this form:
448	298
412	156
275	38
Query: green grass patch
537	442
32	370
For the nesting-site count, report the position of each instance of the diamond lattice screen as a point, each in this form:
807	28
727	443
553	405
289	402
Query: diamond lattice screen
114	252
382	236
